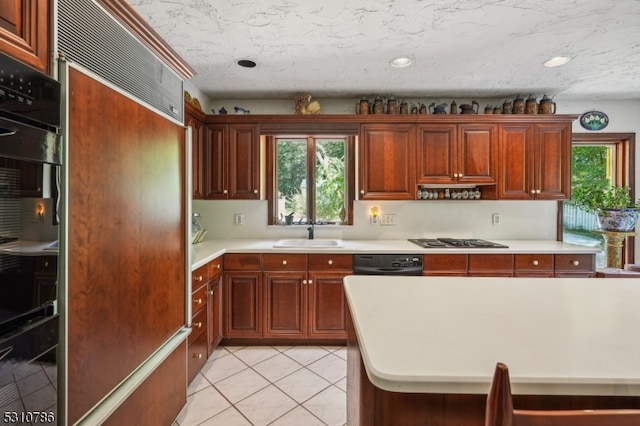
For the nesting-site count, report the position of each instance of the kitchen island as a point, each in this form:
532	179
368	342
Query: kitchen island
422	350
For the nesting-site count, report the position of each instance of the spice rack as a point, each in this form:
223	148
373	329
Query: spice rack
427	193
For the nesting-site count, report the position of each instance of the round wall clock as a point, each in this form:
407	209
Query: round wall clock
594	120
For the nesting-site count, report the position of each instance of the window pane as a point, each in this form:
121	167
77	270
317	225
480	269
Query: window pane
589	164
330	181
291	179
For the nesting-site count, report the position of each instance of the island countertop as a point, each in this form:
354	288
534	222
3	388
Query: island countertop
559	336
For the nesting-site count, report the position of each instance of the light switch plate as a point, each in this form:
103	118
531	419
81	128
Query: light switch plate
388	219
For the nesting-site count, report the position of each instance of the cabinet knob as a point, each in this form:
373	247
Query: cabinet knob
197	301
460	174
304	281
197	325
535	263
46	264
330	262
533	191
538	191
210	292
575	262
197	356
218	266
455	175
225	191
310	282
198	278
255	191
284	262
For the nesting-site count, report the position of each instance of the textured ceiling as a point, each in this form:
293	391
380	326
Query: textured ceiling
461	48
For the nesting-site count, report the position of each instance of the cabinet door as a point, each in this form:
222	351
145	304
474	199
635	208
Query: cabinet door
553	161
214	305
477	153
387	167
244	162
327	305
215	163
285	304
197	156
242	295
24	31
533	265
515	174
437	153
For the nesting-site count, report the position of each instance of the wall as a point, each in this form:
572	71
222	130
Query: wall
520	219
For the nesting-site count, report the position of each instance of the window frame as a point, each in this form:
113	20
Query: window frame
624	174
271	166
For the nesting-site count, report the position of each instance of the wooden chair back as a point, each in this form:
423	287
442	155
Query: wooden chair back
500	411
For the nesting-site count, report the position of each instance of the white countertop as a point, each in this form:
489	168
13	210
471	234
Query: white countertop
29	248
208	250
570	336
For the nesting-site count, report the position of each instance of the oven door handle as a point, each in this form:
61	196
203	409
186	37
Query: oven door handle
5	352
7	132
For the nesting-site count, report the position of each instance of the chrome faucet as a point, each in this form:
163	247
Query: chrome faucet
310	229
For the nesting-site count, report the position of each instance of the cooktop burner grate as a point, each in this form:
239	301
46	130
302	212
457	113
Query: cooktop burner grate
455	243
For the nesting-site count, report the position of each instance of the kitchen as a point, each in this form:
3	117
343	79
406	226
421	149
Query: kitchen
519	220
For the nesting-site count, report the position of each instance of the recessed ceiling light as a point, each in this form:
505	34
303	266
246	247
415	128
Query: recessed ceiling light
557	61
401	62
246	63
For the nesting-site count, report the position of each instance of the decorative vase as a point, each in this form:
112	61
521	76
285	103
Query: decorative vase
617	220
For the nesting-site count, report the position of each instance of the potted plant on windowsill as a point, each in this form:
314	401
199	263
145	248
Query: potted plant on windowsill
611	204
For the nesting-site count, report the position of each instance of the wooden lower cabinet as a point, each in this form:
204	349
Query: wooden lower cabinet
533	265
510	265
491	265
242	295
445	265
304	296
574	265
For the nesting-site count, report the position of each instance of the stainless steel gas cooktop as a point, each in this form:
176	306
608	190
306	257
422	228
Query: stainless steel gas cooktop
455	243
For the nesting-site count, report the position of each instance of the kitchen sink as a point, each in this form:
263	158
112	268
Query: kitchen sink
305	243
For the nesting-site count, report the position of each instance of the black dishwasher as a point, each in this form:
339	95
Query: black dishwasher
387	264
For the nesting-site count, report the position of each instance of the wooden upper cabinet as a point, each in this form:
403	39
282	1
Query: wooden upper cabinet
535	161
244	161
553	161
24	32
232	161
195	119
457	154
387	166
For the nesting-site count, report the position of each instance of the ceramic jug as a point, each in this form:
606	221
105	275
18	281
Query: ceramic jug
469	109
404	107
378	106
454	108
506	107
392	106
364	106
488	109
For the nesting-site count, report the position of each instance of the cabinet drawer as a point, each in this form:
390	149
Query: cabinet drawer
534	262
499	264
242	262
330	262
284	262
196	355
199	276
215	267
198	324
574	262
199	298
445	264
46	264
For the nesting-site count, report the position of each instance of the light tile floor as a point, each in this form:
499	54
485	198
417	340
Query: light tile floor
269	385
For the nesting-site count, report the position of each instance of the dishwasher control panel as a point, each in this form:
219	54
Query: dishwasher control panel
387	264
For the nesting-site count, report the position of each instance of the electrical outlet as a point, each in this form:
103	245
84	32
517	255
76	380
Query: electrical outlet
495	219
388	219
239	219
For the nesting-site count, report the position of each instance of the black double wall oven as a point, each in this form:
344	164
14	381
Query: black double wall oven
30	158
